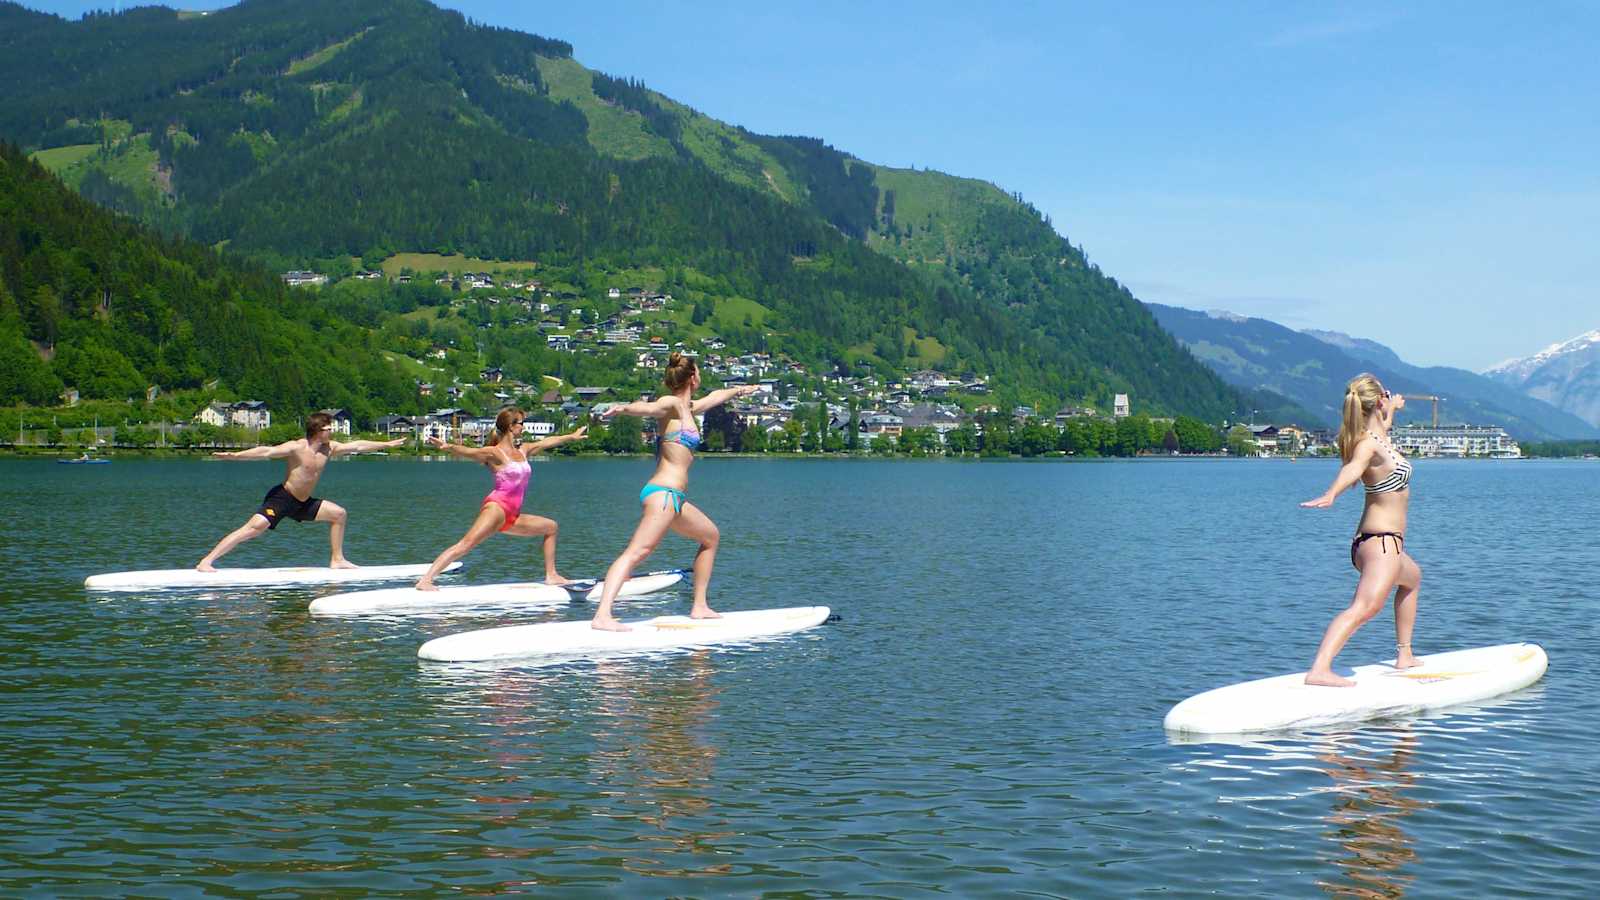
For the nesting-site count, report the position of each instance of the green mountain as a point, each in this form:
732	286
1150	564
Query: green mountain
112	308
296	131
1313	368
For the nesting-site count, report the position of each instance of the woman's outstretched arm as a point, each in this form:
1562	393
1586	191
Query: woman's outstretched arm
1348	475
476	454
721	396
554	441
656	407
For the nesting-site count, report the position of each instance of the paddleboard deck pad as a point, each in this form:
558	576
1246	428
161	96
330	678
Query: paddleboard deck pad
517	594
159	579
566	639
1286	702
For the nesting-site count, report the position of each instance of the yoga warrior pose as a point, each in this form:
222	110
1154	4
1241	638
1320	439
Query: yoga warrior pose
502	508
292	499
665	507
1378	549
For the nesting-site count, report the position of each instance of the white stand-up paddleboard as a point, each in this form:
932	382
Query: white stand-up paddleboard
154	579
578	638
520	594
1381	691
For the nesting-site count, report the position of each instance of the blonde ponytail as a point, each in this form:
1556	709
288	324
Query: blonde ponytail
1361	397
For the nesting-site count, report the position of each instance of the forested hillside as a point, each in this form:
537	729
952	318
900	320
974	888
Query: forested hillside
1011	256
297	131
95	301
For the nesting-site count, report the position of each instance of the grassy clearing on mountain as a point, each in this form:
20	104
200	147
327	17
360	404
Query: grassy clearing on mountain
613	130
351	104
928	349
130	163
321	56
114	130
930	211
737	312
726	151
134	167
60	159
410	366
70	162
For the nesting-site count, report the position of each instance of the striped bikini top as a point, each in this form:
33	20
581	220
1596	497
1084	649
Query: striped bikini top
1399	478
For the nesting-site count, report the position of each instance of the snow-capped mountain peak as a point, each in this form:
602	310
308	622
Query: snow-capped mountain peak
1522	367
1565	374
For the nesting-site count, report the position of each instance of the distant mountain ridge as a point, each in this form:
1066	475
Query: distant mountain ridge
1312	368
1564	374
1360	348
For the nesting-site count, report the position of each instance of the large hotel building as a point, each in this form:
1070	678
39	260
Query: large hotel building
1455	440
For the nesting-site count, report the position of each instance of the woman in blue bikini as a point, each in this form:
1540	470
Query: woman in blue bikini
665	507
1378	550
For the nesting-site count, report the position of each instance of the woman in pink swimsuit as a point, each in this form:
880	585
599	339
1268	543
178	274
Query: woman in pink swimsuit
502	508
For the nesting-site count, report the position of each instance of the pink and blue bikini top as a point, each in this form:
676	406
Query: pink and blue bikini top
688	437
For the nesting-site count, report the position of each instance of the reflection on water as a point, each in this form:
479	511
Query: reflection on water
1364	790
652	755
1370	801
647	768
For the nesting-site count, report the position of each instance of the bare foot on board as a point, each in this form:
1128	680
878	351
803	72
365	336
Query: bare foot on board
1328	679
608	624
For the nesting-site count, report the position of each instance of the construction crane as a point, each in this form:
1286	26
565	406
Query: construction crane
1435	404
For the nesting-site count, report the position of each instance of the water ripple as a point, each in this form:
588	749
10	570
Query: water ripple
985	720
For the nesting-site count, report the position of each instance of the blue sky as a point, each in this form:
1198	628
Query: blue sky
1419	174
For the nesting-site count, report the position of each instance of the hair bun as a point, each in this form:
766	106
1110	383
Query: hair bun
680	368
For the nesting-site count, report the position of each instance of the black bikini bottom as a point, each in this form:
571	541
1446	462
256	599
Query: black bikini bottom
1382	536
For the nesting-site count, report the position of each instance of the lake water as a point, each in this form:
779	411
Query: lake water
986	719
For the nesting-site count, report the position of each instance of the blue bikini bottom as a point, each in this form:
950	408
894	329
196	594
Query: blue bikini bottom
673	494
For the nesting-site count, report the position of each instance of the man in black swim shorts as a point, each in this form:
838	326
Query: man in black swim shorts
279	504
292	499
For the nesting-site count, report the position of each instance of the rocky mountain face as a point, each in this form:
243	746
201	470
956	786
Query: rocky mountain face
1565	375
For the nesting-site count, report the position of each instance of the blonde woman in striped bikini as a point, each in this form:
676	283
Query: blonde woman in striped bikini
1378	549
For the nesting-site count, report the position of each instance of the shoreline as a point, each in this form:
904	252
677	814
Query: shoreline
140	453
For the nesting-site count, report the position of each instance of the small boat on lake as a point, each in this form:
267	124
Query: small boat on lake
85	460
